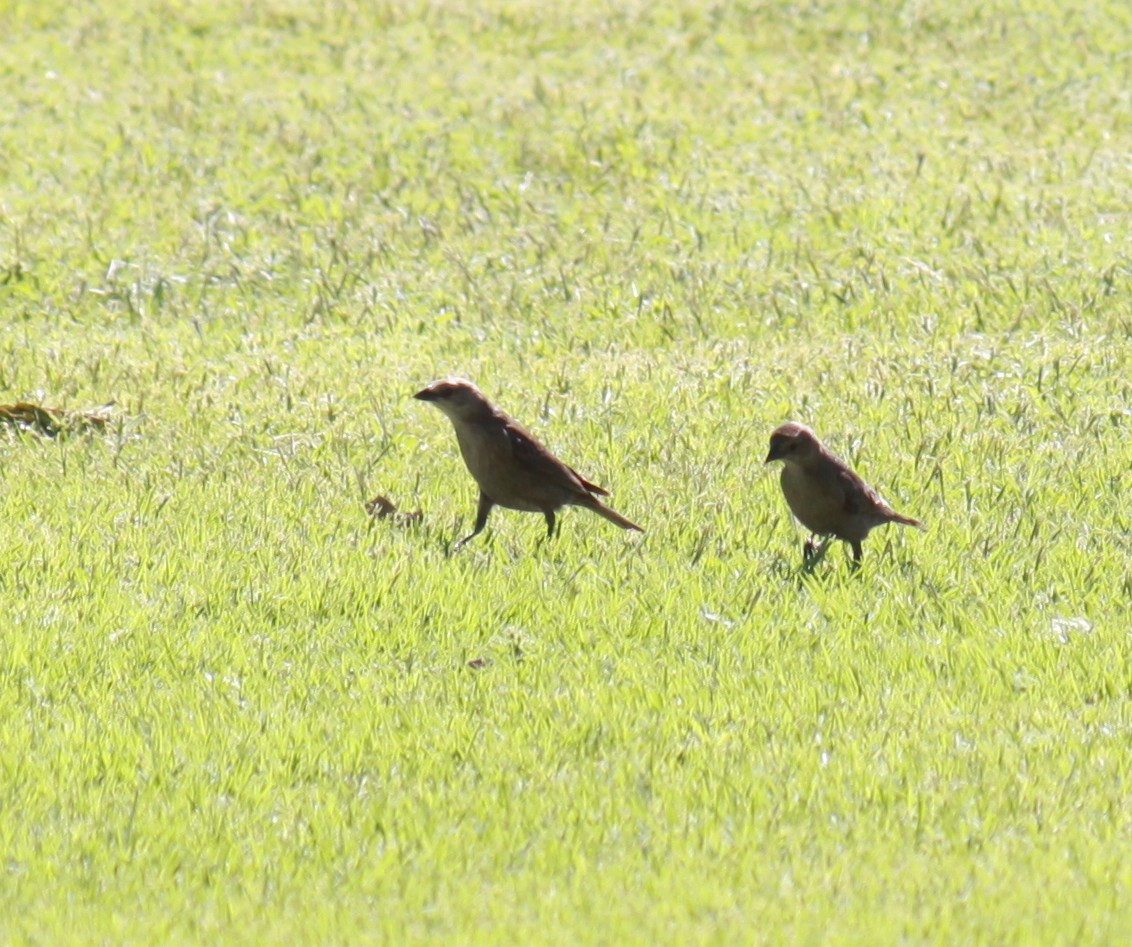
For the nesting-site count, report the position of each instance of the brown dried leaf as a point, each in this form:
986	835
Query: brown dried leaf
381	507
52	422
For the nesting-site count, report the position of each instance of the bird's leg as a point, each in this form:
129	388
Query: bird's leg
549	514
486	503
856	553
813	549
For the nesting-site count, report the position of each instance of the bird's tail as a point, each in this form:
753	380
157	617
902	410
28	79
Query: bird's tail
613	516
895	517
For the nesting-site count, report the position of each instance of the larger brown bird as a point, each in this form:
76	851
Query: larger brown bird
824	493
512	468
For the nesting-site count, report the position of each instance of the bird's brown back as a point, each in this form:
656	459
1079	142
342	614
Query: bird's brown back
515	470
829	498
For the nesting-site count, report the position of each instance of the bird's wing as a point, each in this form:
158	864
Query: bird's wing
531	455
859	496
592	487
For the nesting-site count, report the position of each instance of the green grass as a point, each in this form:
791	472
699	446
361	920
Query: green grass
234	709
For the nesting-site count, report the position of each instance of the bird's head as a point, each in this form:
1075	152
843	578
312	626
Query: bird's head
456	397
794	443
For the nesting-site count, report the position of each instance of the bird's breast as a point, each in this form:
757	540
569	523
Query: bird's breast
489	458
484	448
816	501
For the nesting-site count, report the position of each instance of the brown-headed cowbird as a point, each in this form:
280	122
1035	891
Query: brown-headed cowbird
824	493
510	466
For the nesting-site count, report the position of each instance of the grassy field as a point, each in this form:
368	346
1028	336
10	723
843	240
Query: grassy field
237	709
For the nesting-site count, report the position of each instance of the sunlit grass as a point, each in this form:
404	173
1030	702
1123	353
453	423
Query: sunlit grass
238	709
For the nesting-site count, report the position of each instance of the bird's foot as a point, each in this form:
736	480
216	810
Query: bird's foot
813	550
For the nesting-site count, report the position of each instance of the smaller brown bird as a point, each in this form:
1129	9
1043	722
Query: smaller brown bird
824	493
510	466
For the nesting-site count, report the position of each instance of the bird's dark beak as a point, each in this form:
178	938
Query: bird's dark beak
775	453
425	394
